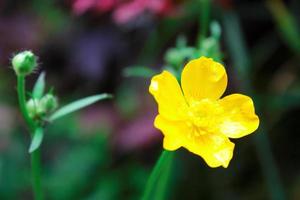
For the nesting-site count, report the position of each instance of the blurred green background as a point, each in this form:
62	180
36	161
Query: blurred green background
107	151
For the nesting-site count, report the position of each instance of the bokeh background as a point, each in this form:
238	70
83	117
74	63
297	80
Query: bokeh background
107	151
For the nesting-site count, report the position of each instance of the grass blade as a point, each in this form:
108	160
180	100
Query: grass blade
77	105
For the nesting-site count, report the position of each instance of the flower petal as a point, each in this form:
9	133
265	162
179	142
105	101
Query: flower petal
203	78
168	95
215	149
239	116
172	131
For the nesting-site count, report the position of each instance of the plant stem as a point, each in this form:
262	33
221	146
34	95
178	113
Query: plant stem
159	177
35	156
204	20
22	104
164	180
36	174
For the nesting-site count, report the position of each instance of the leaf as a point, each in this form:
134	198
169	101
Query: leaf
39	87
36	140
76	105
138	71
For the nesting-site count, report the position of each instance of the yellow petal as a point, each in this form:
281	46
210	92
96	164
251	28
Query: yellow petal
239	116
168	95
171	144
203	78
215	149
172	131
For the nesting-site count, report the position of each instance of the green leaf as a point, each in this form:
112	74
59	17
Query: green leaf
39	87
36	140
76	105
138	71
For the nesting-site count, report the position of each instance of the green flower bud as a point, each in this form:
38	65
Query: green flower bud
32	107
38	109
24	63
48	103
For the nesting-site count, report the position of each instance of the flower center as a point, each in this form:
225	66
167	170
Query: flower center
204	116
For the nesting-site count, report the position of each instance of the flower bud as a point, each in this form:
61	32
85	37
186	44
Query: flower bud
24	63
32	107
48	103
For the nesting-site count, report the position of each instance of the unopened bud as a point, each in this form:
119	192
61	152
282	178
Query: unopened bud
40	108
24	63
32	107
48	103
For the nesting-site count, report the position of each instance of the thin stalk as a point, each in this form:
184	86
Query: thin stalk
159	174
204	20
36	174
161	191
22	104
35	156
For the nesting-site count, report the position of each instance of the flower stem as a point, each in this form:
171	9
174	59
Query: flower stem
22	103
36	174
35	156
157	182
164	179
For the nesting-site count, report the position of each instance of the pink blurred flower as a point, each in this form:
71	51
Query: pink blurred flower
81	6
136	134
105	5
131	9
124	11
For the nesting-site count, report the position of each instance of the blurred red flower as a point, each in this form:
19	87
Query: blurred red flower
124	11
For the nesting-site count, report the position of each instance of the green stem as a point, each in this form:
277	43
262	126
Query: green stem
35	156
22	103
204	20
159	177
36	174
164	180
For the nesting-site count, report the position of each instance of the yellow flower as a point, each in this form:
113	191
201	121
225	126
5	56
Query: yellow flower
194	117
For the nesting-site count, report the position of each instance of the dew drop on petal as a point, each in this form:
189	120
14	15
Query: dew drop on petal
154	85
